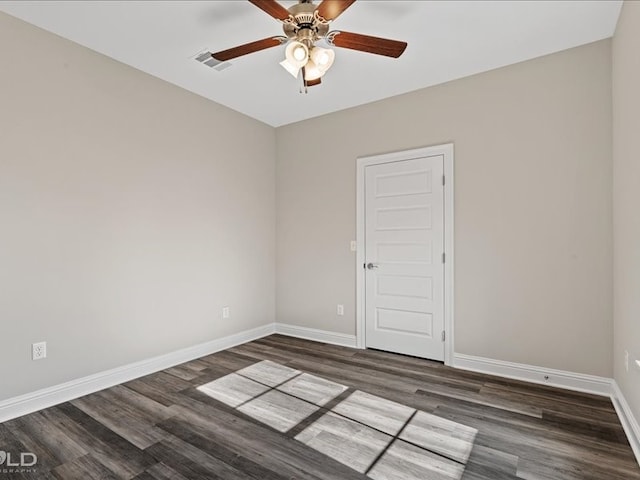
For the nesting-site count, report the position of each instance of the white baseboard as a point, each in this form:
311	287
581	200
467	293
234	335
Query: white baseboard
529	373
47	397
629	422
323	336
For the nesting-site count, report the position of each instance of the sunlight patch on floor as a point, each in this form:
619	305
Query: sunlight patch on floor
370	434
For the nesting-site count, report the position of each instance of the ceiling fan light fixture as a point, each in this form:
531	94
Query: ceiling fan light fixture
312	72
323	58
289	67
297	53
305	24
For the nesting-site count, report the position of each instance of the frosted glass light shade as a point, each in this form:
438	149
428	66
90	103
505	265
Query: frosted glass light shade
322	57
289	67
297	54
311	71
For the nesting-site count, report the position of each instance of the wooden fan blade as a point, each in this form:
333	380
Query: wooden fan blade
240	50
331	9
273	8
365	43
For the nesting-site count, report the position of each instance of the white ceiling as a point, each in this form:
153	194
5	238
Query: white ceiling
447	40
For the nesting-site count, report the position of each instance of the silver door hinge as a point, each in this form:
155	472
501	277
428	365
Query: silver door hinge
442	179
443	257
443	335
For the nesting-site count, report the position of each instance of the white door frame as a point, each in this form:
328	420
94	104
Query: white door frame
446	151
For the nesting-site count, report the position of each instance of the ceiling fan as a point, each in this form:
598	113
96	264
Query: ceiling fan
305	24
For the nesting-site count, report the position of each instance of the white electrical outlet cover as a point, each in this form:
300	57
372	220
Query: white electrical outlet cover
39	351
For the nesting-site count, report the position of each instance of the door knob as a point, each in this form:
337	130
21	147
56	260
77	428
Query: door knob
371	266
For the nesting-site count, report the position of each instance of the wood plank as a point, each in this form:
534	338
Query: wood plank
191	462
162	472
121	418
110	449
51	444
83	468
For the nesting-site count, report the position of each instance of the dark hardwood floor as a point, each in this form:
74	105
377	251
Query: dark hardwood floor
163	427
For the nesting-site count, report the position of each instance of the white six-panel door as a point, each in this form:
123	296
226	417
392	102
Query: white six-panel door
404	246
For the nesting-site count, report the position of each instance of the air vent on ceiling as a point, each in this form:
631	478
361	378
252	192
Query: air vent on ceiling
209	61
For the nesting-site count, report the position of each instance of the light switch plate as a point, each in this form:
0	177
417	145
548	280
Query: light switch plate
626	361
354	245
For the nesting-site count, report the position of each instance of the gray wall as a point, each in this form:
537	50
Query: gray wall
533	240
626	201
130	212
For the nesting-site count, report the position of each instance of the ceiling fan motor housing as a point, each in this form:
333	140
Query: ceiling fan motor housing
304	24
